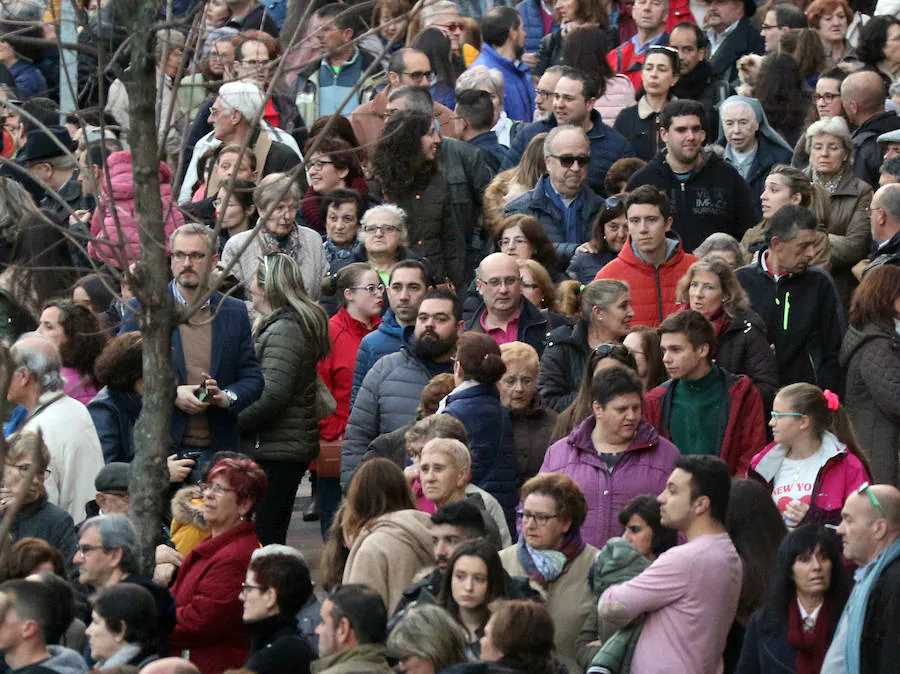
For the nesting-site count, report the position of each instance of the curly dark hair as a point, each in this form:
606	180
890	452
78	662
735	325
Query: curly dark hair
873	39
121	363
85	337
400	165
780	91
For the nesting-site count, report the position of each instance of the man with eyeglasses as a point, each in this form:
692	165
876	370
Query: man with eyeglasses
561	201
503	313
778	21
407	67
573	104
408	282
390	392
108	553
862	97
866	639
545	93
650	17
702	408
884	218
216	371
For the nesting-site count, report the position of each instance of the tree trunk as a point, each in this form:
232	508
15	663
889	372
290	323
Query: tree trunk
149	482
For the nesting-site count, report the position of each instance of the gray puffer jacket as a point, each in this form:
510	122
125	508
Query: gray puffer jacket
871	357
281	426
387	400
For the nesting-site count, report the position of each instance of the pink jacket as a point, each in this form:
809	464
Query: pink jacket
619	95
103	224
841	475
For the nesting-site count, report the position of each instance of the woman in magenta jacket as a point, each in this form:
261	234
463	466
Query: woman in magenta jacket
359	293
613	455
813	465
208	611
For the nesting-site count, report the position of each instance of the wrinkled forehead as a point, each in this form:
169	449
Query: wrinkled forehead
738	110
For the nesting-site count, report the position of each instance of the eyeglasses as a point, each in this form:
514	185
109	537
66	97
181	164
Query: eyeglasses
543	93
514	242
539	518
530	286
419	74
608	349
777	415
216	488
380	229
454	26
180	256
866	488
767	26
612	202
318	164
827	97
246	587
508	281
372	289
568	160
85	549
255	62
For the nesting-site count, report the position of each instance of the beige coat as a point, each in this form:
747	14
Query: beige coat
389	552
849	231
569	600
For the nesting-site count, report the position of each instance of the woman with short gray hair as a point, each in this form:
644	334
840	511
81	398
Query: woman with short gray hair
277	200
427	638
482	78
831	165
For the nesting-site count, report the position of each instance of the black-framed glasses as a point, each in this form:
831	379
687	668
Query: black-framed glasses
383	229
608	349
419	74
544	93
828	97
246	587
539	518
86	549
508	281
318	164
866	488
180	256
568	160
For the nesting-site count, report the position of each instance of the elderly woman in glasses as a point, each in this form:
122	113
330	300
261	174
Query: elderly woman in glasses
613	436
553	555
36	517
383	235
207	592
277	200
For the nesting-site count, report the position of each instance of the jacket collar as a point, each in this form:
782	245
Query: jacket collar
213	544
771	459
366	657
580	438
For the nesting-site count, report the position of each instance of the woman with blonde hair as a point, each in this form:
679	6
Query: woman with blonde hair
427	640
711	287
514	182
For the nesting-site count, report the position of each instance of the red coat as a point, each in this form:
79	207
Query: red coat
745	430
208	611
336	369
652	290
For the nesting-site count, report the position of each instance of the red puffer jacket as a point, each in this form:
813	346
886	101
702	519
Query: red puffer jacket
652	289
208	612
103	224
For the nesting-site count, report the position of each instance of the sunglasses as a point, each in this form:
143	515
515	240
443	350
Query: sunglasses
568	160
612	202
866	488
609	349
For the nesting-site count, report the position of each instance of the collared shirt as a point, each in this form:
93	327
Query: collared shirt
765	265
809	618
641	48
742	161
183	302
503	335
716	39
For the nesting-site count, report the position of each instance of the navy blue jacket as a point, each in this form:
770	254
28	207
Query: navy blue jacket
538	204
518	87
533	22
114	414
490	431
233	365
767	155
607	145
488	144
388	338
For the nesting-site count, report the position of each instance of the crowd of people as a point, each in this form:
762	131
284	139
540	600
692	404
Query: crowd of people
583	318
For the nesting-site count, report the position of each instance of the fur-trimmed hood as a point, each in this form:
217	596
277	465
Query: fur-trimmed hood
187	507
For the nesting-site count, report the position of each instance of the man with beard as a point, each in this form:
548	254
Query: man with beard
504	43
504	314
216	370
390	392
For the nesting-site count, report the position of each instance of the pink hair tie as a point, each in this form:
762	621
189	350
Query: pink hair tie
834	402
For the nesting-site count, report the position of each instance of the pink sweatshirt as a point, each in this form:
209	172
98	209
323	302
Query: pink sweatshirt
690	594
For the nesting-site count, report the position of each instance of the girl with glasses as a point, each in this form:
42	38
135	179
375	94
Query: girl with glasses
814	463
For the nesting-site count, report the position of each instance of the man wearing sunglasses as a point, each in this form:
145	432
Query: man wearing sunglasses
561	200
866	639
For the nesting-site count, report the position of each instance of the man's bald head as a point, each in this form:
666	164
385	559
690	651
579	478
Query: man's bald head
889	497
499	285
171	666
498	264
40	357
884	214
862	95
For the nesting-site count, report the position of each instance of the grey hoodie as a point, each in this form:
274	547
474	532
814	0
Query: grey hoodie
65	661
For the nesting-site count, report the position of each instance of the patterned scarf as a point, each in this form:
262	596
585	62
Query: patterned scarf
545	566
812	645
333	252
290	245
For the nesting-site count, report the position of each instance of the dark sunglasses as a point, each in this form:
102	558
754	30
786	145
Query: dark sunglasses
567	160
609	349
612	202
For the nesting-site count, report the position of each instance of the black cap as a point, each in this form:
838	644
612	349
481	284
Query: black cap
113	477
40	146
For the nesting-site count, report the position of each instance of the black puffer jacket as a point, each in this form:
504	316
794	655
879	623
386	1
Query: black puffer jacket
562	365
871	357
280	425
743	348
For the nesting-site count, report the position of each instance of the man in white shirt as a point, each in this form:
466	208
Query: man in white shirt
64	423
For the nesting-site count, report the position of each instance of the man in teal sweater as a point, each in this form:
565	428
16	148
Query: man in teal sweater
703	408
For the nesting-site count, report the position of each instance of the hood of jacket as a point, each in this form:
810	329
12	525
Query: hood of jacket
693	84
854	340
118	165
390	326
709	158
410	527
616	562
342	321
187	507
674	252
64	661
579	439
878	124
768	461
574	335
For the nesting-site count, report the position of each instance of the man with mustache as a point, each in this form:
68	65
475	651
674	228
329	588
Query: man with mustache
390	392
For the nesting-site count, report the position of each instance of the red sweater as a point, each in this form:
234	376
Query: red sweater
652	290
336	369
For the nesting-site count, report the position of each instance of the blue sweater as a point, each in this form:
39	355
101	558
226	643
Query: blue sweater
530	11
518	97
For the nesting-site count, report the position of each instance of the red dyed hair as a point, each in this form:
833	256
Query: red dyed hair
248	480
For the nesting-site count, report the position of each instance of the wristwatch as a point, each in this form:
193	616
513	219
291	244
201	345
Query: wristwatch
232	397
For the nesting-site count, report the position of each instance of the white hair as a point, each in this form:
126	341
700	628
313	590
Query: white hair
244	97
833	126
432	9
477	77
390	209
277	549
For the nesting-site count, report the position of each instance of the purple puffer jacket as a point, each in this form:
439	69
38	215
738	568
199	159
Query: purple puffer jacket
642	469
